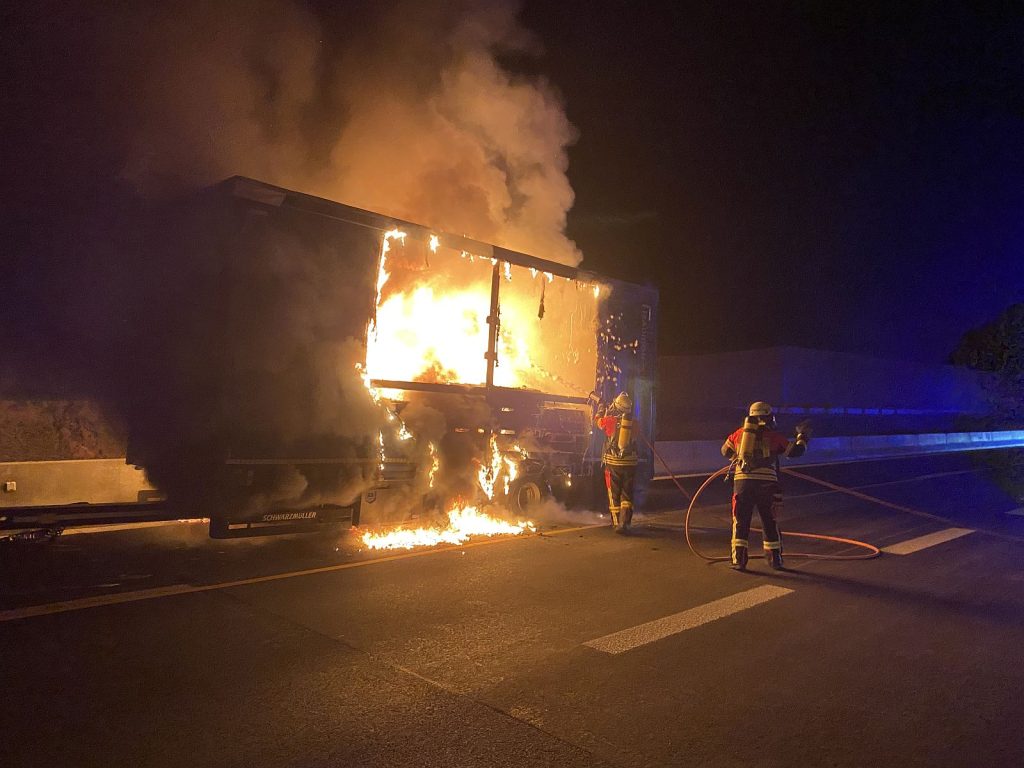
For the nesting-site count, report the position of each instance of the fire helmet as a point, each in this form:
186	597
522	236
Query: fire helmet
760	409
623	402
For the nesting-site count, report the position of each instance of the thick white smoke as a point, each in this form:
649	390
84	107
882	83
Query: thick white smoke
403	109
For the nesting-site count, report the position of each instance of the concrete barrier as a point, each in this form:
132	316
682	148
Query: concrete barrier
698	456
94	481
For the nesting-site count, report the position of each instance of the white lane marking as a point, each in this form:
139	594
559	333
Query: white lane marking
97	601
652	631
928	540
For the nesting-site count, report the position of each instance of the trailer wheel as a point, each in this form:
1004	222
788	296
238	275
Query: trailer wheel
526	493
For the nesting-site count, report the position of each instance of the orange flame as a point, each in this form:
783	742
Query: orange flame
434	465
434	326
463	523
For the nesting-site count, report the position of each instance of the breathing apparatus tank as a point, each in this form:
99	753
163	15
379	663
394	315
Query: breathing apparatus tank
752	446
748	440
623	403
625	432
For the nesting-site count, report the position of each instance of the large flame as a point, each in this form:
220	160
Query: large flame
431	324
431	320
463	523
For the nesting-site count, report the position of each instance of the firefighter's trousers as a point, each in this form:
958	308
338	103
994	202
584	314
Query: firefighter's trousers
766	497
619	481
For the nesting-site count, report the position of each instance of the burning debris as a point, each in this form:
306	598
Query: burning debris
463	523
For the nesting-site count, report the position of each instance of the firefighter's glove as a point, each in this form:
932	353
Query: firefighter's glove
803	431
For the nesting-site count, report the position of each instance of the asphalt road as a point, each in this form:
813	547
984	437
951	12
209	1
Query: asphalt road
159	647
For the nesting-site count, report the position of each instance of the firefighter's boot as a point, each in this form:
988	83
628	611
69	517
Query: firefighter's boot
739	558
627	516
774	557
616	517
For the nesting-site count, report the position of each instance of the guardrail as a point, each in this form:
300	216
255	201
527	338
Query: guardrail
701	456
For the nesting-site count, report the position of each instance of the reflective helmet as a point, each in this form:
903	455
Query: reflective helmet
764	414
623	402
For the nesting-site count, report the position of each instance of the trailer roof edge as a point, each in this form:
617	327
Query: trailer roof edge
272	195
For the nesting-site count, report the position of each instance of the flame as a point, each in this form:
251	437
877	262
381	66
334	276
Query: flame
463	523
488	473
385	246
414	320
512	468
365	376
499	464
430	322
434	464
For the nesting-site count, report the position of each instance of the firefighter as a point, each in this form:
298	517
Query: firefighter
754	450
619	458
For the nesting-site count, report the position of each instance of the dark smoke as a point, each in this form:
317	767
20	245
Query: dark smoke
113	290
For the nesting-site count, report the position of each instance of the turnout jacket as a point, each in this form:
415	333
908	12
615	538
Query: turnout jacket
768	446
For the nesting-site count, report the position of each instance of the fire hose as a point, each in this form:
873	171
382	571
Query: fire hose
872	551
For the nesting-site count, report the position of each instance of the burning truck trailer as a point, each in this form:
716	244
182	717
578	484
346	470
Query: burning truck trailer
330	365
476	367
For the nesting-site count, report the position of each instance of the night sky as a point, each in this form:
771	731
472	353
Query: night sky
837	176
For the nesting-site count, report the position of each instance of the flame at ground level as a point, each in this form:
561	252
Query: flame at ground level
462	524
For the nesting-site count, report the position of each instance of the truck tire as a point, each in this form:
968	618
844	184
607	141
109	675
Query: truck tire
526	493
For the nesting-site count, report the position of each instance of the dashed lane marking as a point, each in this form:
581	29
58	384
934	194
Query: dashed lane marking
928	540
659	629
115	598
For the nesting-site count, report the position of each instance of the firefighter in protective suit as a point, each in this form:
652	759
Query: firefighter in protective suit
619	458
754	450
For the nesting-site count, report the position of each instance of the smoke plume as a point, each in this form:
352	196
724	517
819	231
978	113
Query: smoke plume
113	294
407	112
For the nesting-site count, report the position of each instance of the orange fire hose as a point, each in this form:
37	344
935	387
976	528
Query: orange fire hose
872	550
